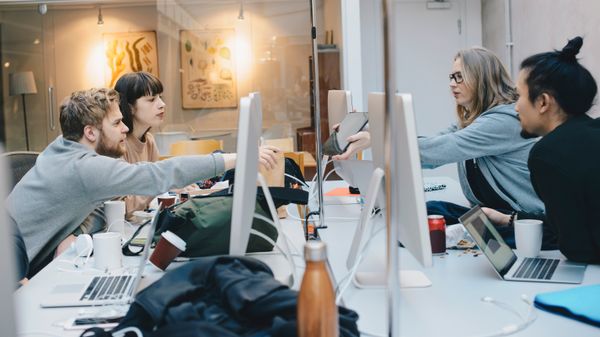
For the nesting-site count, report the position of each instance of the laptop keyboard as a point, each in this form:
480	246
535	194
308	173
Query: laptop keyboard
107	288
537	268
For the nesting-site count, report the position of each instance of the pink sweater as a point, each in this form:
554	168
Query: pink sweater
138	151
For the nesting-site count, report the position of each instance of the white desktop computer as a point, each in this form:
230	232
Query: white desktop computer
407	199
244	194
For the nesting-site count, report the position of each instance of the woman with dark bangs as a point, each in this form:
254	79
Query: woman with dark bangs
143	109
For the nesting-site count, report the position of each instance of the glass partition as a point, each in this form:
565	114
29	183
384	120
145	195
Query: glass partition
206	53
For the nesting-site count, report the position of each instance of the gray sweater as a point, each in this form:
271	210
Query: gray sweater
69	180
494	141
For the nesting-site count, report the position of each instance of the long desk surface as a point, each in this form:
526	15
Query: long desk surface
450	307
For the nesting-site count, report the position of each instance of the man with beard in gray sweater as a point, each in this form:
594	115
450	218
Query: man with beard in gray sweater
81	169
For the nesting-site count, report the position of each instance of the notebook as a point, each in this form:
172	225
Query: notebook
93	290
580	303
510	267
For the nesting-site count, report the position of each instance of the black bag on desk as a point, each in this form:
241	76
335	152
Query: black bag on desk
291	168
204	222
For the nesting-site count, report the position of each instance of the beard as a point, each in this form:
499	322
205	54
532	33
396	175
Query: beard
527	135
104	149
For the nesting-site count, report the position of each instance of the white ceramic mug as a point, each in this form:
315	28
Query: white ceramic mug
528	237
107	251
114	211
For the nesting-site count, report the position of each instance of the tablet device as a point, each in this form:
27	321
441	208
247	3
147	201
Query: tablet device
350	125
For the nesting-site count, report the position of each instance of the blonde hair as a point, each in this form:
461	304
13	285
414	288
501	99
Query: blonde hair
489	80
86	107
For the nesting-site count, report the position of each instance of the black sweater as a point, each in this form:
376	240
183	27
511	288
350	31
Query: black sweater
565	173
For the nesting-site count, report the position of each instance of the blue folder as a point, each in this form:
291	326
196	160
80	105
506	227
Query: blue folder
580	303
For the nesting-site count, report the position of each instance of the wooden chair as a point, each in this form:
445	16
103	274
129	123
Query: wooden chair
287	146
203	146
284	144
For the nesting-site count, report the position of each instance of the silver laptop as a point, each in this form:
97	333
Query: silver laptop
93	290
510	267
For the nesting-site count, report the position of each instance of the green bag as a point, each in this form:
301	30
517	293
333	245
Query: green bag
204	223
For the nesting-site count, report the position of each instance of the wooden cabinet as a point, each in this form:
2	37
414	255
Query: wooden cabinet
329	79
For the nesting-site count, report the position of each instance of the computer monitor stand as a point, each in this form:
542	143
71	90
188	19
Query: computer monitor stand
375	261
371	271
282	264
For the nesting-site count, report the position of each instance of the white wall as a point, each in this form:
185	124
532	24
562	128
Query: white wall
538	27
274	60
276	28
79	45
494	28
426	41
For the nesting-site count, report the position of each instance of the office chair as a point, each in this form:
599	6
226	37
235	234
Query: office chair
19	163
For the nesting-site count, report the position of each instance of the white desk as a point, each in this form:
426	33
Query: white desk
34	321
451	307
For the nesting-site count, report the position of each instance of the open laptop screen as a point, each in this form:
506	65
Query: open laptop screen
489	240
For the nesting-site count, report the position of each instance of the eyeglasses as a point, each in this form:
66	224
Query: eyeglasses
457	77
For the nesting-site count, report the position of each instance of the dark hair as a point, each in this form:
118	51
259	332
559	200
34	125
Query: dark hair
82	108
559	74
132	86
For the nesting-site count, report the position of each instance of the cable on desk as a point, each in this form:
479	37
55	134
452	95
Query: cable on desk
512	328
341	288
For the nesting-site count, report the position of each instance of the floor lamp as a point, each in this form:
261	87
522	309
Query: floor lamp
22	83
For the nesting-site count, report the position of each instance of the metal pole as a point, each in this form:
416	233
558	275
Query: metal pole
25	120
508	35
317	111
392	267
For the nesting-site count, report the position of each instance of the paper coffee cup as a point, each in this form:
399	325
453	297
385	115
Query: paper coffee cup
166	201
107	251
168	248
528	237
114	210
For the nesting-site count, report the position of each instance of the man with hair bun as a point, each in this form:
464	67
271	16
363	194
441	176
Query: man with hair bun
555	94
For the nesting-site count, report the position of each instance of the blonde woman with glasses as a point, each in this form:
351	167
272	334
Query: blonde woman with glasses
485	143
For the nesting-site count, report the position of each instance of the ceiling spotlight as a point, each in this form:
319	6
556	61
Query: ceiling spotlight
241	14
42	9
100	19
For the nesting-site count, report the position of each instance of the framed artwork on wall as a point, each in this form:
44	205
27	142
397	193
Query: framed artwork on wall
127	52
208	69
